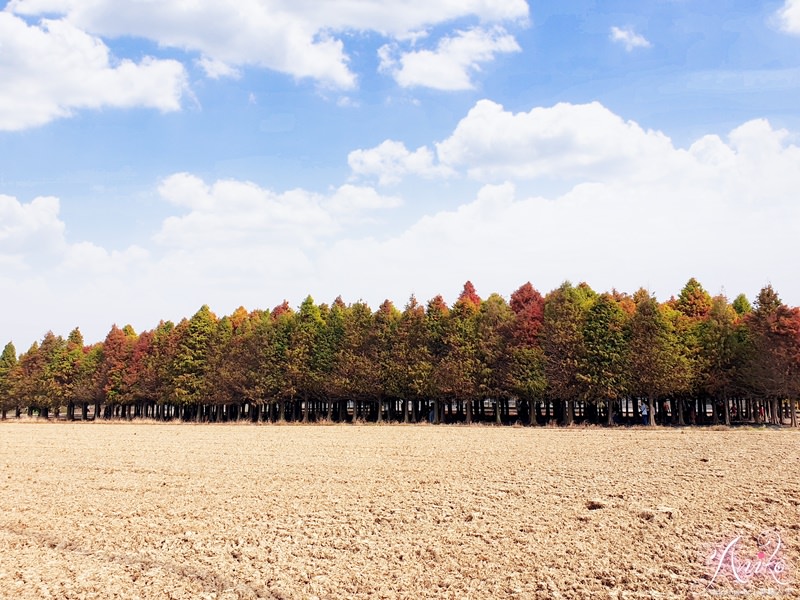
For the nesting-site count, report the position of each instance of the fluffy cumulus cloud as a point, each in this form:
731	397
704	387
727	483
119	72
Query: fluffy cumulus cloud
231	212
789	16
52	68
29	229
628	38
564	142
451	64
294	37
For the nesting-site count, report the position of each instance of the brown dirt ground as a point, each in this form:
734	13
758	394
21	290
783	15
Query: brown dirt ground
94	510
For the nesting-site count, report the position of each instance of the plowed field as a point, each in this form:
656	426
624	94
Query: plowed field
93	510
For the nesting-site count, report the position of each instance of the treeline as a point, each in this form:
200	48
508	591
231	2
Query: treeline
573	355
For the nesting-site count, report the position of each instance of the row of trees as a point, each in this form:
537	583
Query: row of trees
572	355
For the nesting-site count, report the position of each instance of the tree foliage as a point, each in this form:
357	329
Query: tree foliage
573	354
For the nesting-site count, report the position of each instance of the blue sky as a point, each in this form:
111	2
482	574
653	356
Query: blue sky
158	156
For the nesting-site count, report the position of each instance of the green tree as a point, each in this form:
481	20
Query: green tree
694	301
190	364
458	369
492	337
720	351
741	305
436	316
564	349
8	361
688	314
656	366
303	373
264	357
358	368
412	359
386	323
70	371
602	366
50	375
232	364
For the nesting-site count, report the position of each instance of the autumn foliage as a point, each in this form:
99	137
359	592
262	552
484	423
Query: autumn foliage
573	355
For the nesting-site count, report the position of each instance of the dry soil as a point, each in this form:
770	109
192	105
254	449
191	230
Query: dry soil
92	510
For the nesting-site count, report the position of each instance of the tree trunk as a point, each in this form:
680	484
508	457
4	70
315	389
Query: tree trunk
380	410
569	412
468	410
651	412
726	411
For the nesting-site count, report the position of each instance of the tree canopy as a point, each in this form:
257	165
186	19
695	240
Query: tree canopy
571	355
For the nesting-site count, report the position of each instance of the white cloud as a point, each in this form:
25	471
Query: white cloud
230	212
628	38
789	17
451	65
49	70
237	212
27	229
566	141
391	161
296	37
562	142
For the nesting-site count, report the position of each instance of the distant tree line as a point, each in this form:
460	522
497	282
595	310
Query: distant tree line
571	356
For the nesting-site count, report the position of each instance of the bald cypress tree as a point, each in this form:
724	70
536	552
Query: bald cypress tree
602	366
656	365
412	358
565	311
191	360
8	360
772	367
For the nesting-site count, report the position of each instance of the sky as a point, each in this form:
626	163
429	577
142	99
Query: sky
158	156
